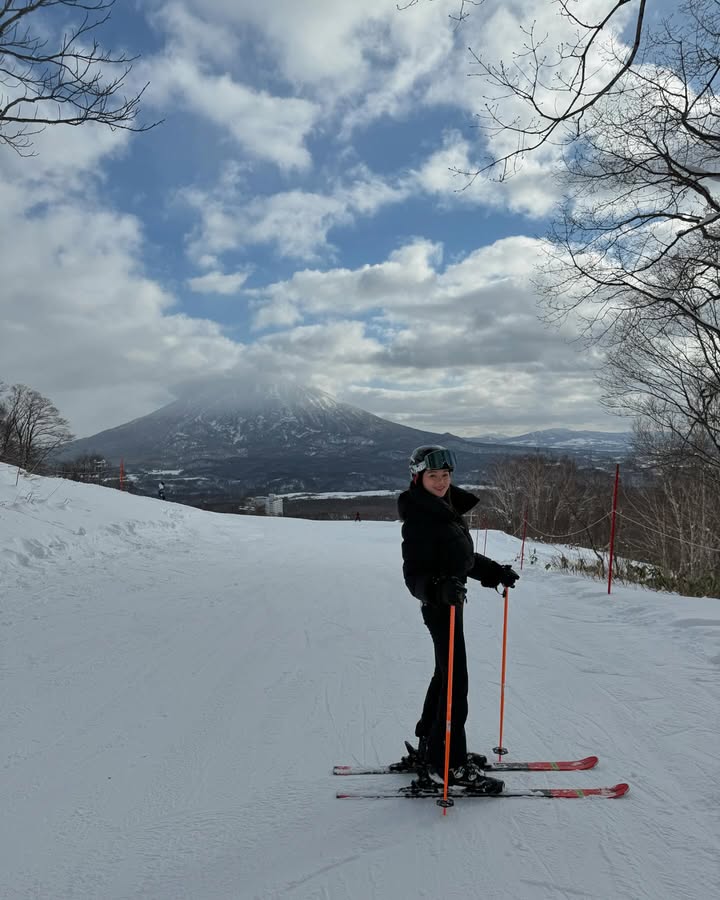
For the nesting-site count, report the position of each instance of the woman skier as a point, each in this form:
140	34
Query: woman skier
438	557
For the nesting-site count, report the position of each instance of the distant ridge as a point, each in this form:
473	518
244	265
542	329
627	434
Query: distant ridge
564	439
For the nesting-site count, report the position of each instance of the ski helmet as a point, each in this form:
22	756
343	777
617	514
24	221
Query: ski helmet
431	456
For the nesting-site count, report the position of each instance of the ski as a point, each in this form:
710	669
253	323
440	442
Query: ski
406	767
422	793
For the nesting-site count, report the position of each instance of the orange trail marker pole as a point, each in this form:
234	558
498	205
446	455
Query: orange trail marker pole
522	549
500	750
448	801
612	526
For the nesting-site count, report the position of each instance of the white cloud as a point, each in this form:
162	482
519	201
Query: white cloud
376	58
195	35
360	60
490	401
65	160
410	285
331	45
296	222
461	345
402	280
337	343
436	176
447	174
356	63
413	336
272	128
81	323
218	283
351	62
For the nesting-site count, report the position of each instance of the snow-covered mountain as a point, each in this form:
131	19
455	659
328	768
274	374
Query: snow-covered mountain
564	439
228	436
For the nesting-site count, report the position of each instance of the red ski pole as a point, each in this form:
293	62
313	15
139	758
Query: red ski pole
500	750
448	801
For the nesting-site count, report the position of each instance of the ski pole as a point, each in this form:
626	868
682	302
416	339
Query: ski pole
448	801
500	750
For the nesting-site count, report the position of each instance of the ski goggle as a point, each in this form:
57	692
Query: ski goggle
435	459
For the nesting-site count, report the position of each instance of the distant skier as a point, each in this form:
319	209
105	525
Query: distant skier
161	490
357	517
438	557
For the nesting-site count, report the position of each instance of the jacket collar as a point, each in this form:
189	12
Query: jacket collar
460	501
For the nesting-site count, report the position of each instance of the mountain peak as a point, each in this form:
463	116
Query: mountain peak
262	434
248	394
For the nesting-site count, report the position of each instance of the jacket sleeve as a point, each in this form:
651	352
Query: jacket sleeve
418	551
418	548
486	571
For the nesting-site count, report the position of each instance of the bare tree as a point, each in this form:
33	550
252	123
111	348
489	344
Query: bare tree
665	370
556	81
8	412
85	467
64	79
640	147
561	501
634	250
673	521
34	427
669	513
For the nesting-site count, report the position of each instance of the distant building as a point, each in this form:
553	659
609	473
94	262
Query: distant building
273	505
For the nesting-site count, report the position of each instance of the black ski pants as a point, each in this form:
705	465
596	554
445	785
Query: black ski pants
432	724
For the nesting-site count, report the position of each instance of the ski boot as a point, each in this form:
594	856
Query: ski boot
479	760
414	760
474	780
471	777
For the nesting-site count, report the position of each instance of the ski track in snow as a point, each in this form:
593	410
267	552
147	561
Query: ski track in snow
176	685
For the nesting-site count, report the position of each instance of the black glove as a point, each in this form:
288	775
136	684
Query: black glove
449	591
508	576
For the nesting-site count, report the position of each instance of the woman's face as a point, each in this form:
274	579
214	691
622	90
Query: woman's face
436	481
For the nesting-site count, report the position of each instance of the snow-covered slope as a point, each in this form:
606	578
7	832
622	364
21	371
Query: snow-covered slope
176	685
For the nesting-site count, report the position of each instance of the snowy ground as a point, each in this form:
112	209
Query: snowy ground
175	686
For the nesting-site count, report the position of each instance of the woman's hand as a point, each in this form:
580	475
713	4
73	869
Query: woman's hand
508	576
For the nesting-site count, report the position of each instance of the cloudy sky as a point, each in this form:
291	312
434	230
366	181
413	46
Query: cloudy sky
294	212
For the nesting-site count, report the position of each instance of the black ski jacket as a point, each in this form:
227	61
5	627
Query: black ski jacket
436	541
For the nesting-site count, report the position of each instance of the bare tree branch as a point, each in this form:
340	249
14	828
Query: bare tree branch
543	76
65	83
459	18
634	249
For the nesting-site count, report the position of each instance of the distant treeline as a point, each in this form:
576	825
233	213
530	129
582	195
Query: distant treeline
668	517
